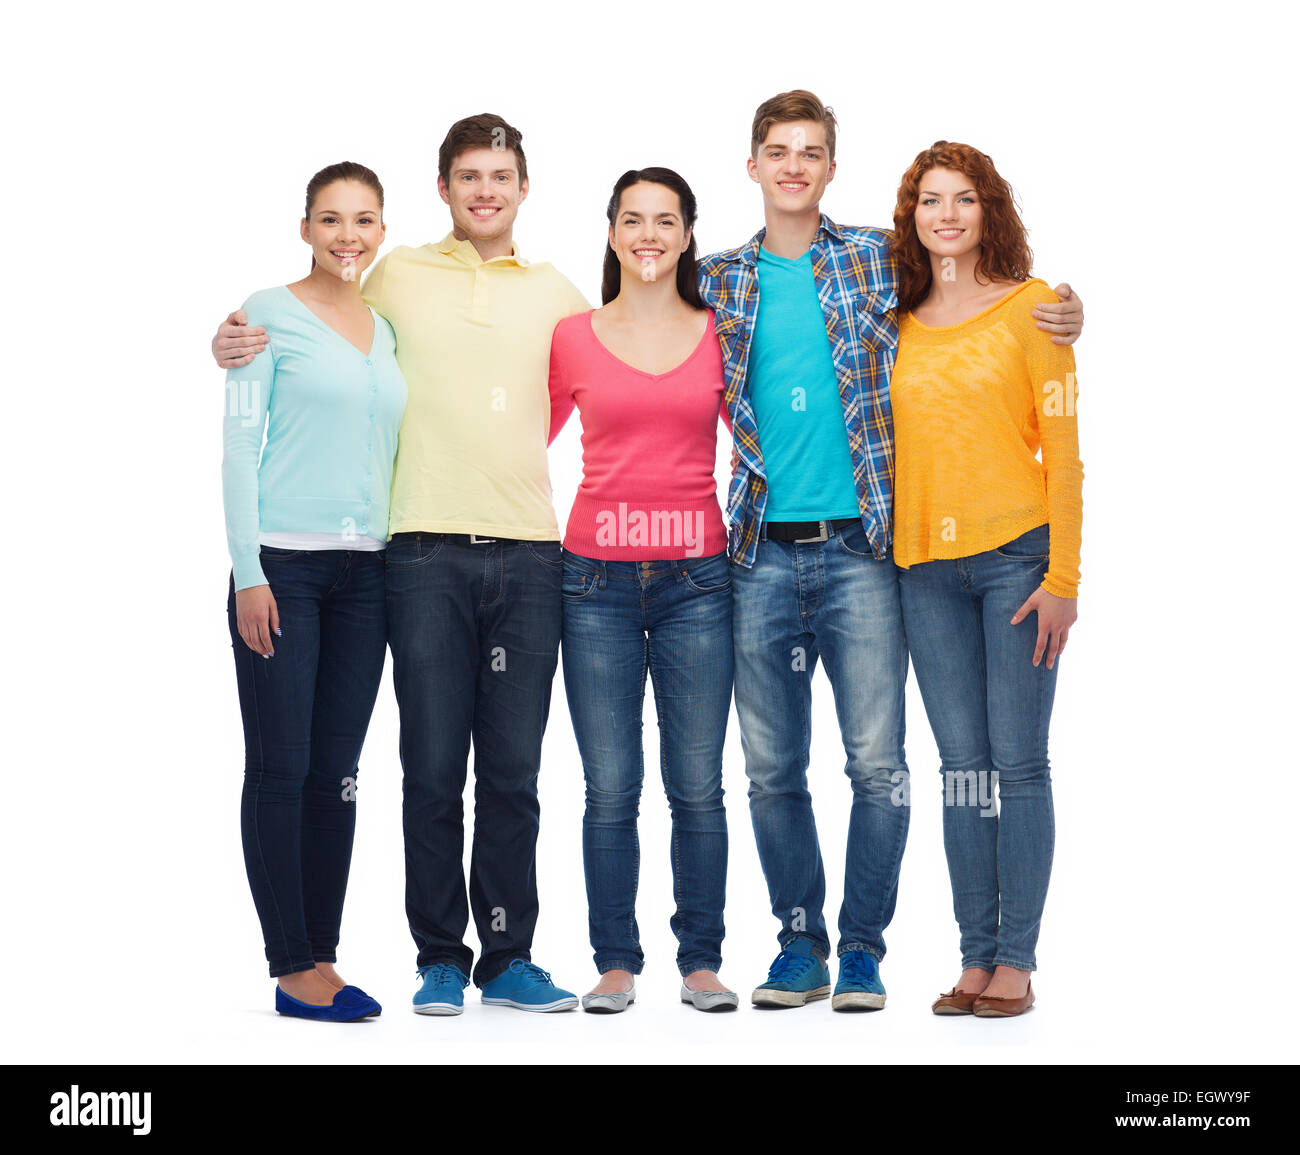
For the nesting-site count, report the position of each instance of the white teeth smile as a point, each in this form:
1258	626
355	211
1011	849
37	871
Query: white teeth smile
484	211
649	252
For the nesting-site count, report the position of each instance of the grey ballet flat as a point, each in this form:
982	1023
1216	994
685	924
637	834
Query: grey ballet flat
609	1004
710	1000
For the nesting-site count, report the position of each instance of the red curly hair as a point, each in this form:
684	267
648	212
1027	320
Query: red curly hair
1004	249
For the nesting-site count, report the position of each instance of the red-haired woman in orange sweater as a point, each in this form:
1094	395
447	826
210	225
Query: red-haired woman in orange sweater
987	542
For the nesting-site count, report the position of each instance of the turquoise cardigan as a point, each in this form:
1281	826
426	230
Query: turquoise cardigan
330	414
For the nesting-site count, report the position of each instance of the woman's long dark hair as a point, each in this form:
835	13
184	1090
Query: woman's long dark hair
688	284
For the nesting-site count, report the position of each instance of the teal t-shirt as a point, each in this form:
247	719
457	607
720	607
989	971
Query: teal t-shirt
796	398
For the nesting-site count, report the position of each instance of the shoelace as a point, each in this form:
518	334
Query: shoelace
530	971
441	972
789	966
856	966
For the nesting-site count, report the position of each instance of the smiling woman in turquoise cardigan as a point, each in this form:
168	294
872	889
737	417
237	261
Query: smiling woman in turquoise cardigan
307	523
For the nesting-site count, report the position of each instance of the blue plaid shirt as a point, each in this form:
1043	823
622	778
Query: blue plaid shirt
856	285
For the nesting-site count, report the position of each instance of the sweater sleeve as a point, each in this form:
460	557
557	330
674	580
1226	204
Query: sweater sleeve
1051	376
561	394
248	400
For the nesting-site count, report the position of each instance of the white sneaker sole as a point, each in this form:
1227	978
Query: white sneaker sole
437	1009
558	1005
857	1001
765	997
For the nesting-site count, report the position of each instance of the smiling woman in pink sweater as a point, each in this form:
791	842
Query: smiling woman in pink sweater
647	585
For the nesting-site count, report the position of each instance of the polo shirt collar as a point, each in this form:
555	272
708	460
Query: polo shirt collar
465	252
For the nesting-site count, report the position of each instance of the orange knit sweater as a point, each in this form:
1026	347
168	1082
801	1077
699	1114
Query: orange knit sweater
973	405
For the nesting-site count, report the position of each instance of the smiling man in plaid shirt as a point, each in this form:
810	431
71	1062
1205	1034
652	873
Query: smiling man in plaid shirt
810	507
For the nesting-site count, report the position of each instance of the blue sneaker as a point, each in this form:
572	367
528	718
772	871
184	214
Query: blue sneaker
797	976
859	988
527	988
440	993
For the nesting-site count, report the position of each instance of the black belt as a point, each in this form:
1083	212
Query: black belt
802	531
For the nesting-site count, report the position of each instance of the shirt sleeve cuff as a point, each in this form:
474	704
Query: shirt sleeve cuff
1059	588
248	570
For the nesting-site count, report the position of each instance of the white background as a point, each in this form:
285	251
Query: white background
155	160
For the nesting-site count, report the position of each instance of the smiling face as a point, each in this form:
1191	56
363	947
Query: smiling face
649	235
345	228
793	166
484	192
949	218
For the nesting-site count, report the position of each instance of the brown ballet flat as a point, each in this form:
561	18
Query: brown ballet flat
955	1002
993	1007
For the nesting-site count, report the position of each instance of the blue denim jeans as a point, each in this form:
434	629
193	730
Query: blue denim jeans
475	635
672	619
989	709
830	600
305	714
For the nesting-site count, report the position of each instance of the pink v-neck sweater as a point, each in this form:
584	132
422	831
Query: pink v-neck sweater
649	442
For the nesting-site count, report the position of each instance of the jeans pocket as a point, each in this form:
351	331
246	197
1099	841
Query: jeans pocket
1033	545
708	575
578	578
545	553
275	553
413	551
852	539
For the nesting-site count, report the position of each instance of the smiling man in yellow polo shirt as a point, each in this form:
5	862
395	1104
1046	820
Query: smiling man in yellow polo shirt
473	566
474	322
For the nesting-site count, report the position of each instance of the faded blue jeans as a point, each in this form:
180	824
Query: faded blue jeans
671	619
834	601
989	709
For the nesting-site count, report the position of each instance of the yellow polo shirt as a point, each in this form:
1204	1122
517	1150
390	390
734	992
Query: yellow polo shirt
474	344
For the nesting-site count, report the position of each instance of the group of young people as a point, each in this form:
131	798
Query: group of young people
905	480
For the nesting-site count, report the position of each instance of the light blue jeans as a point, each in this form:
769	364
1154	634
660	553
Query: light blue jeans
800	602
989	709
672	620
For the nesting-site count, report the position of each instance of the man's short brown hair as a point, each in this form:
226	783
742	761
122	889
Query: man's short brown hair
799	104
487	130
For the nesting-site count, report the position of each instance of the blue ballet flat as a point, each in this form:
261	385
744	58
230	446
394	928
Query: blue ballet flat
350	1005
357	992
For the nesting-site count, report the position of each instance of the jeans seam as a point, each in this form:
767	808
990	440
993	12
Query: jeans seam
256	813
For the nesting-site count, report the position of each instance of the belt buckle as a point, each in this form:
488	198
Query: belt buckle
823	536
474	539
